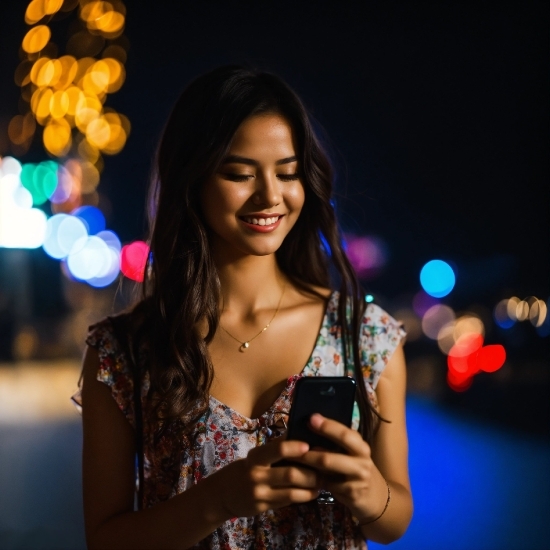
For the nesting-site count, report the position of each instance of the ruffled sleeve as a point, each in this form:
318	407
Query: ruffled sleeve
380	336
114	370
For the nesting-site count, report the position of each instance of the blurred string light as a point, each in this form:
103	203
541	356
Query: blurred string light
511	310
437	278
66	95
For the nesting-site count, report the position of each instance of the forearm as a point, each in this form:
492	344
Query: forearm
177	523
394	521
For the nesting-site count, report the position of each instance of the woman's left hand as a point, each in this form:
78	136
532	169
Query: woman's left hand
352	478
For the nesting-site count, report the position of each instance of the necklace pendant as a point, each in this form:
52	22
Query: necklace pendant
244	346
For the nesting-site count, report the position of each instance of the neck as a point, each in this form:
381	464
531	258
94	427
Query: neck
249	283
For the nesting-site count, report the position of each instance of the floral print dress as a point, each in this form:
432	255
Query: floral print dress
222	435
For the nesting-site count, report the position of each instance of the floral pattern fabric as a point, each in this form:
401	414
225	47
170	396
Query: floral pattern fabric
222	435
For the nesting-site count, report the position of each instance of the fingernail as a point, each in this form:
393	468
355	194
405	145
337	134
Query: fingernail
316	420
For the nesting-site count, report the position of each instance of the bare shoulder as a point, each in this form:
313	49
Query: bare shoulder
310	296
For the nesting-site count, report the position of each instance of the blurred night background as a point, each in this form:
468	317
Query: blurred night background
436	117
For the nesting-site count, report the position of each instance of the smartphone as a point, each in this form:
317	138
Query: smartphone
331	396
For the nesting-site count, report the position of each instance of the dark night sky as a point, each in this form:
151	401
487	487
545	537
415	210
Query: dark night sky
437	114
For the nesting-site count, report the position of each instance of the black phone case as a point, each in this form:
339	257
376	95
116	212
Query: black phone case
331	396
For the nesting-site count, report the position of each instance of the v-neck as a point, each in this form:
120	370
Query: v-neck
290	380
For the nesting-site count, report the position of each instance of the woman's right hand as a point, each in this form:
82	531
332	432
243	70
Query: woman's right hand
251	485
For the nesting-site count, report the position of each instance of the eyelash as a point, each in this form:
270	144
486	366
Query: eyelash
284	177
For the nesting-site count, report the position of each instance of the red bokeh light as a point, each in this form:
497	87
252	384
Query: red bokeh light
133	258
491	358
458	383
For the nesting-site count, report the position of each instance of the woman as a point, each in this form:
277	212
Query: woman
197	379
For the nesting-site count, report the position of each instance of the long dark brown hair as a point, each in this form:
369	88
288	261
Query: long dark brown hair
182	286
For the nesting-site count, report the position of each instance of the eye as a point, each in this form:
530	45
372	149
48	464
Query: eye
288	177
237	177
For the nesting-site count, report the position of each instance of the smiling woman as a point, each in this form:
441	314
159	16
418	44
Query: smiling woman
198	378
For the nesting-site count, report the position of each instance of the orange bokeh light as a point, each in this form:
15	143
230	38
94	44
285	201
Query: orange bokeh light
36	39
57	137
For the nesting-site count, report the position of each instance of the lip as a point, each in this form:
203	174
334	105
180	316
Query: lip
262	228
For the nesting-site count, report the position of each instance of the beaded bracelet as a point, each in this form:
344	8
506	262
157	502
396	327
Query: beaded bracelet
383	511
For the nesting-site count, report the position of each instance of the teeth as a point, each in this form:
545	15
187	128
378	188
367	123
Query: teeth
262	221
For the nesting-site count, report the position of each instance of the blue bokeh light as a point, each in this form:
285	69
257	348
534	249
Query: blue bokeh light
92	217
437	278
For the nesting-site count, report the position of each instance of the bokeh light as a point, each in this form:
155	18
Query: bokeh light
491	358
500	315
367	254
36	39
435	319
93	218
133	259
21	226
422	302
437	278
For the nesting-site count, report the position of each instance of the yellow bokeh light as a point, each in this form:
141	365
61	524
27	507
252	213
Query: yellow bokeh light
87	109
42	110
83	65
111	22
94	11
57	137
34	12
116	52
76	96
59	104
21	128
36	68
69	67
98	132
36	39
52	6
49	73
22	74
522	310
87	151
468	324
511	307
538	312
445	337
37	9
118	133
96	80
90	177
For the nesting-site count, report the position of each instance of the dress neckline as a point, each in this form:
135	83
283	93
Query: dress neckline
291	380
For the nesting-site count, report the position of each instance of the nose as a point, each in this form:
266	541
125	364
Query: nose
268	191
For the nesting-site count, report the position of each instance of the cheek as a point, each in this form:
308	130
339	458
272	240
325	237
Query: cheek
296	198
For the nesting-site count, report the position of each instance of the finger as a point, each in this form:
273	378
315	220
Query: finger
292	476
279	497
350	440
334	463
265	455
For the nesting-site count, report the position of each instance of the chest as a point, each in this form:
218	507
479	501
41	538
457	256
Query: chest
250	381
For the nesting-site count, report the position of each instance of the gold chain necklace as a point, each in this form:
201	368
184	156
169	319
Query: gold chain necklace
246	344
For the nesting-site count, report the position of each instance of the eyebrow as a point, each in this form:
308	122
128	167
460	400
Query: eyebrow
230	159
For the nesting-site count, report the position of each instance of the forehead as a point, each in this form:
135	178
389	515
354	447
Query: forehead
269	136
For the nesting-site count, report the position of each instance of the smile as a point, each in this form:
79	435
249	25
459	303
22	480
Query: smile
260	224
262	221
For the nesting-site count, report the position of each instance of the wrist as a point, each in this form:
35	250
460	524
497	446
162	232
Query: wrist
371	519
211	505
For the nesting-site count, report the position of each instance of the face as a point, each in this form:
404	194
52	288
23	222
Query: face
256	195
